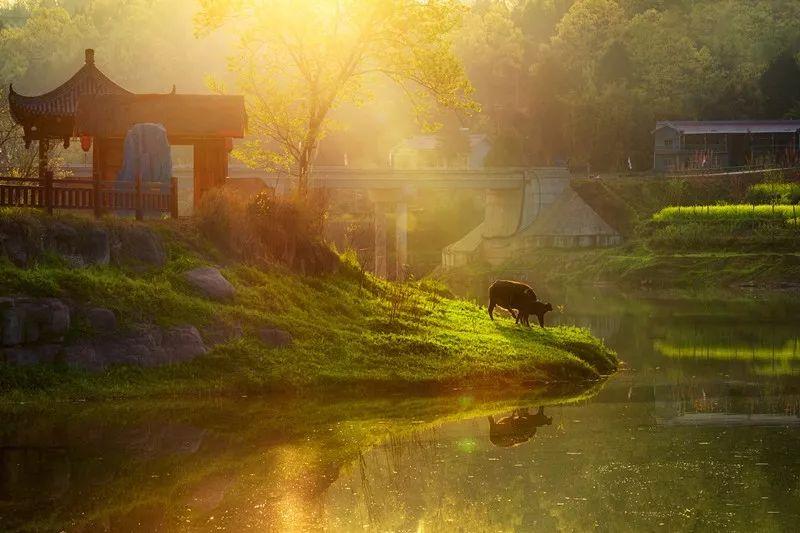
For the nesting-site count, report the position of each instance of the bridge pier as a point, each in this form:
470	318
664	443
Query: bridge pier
381	250
401	240
386	202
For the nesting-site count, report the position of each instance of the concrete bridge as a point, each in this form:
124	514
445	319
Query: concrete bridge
516	199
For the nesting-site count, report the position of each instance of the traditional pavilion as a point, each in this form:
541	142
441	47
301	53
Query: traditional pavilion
92	108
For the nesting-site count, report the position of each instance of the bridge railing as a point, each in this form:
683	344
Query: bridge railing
99	196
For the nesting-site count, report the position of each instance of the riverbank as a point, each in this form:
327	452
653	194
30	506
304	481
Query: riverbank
680	233
280	332
634	266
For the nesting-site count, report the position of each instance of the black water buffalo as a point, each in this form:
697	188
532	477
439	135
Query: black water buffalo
510	295
520	427
533	308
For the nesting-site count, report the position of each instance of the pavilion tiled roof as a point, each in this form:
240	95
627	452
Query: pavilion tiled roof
52	115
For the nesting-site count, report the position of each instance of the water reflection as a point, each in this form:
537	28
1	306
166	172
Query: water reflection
226	464
700	433
517	428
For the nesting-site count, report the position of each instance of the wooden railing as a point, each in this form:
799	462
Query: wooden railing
100	196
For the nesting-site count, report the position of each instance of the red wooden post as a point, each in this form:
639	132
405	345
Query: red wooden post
173	197
48	192
98	207
138	199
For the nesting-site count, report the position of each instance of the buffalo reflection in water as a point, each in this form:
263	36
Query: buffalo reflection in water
517	428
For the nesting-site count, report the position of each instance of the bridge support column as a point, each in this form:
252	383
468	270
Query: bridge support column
381	251
391	201
401	240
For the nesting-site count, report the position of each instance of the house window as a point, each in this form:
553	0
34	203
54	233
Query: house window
667	142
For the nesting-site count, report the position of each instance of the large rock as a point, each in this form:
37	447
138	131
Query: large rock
62	240
182	343
211	283
275	338
146	346
95	247
26	239
84	356
137	245
31	355
101	320
21	241
141	347
32	320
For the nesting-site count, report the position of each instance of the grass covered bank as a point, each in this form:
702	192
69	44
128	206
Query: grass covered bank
351	331
717	232
636	266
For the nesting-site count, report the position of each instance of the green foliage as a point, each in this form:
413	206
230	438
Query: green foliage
585	80
299	60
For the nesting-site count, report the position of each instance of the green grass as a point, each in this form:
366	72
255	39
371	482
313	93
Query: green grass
351	331
727	213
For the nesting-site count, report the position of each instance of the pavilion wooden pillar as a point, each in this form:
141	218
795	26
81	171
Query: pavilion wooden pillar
44	148
210	166
107	157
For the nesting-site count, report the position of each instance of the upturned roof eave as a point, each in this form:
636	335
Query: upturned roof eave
23	107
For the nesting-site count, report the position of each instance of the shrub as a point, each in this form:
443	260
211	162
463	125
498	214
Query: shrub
774	193
268	229
725	227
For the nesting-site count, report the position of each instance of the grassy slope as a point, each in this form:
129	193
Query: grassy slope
349	329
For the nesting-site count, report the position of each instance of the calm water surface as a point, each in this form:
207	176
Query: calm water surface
700	432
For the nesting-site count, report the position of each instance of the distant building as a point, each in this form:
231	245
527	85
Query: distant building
425	152
686	145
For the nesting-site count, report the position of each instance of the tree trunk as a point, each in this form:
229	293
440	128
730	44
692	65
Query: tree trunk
302	182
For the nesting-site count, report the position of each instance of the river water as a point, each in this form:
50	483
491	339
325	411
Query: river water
700	431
